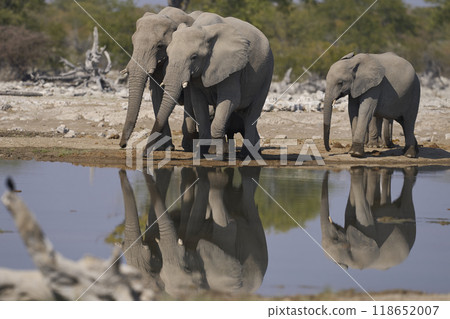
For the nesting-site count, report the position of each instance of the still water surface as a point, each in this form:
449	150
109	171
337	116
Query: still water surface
388	228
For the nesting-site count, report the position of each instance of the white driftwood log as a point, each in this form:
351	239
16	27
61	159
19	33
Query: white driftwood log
90	72
59	278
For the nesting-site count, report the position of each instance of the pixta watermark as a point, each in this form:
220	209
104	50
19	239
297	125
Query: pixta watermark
140	152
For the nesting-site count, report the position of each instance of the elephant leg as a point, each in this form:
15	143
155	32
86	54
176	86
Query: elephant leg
157	95
228	99
372	186
363	212
201	113
365	114
199	210
386	133
353	113
411	149
405	200
385	185
189	126
374	132
224	228
250	121
188	178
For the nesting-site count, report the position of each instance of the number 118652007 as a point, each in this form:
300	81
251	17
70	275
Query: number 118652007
405	310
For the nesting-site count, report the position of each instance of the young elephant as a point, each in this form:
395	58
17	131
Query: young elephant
379	133
366	240
381	85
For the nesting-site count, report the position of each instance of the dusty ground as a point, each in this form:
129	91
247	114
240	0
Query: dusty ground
28	130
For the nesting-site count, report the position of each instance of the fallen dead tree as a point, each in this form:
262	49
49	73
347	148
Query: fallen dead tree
59	278
90	72
20	93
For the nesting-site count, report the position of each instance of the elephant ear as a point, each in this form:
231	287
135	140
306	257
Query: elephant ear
364	249
367	73
229	53
348	56
143	18
177	16
182	26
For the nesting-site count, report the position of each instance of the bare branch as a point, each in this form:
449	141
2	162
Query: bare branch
62	278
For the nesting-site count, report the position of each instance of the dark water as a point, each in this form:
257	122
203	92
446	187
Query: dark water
390	227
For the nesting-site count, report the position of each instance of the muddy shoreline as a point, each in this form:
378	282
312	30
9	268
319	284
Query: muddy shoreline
106	153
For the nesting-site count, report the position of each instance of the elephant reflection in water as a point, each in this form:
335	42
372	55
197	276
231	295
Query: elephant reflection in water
215	241
378	233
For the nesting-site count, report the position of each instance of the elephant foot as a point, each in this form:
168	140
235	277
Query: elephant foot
411	171
411	151
162	148
204	150
217	179
244	153
373	143
357	150
221	149
166	147
388	144
188	142
356	170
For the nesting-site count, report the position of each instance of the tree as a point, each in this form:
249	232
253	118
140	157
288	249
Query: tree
181	4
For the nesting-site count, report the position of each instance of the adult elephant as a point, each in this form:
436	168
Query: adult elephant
153	35
224	62
378	233
215	241
381	85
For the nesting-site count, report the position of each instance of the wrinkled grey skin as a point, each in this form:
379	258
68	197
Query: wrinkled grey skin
379	133
216	243
225	62
153	35
378	233
234	125
141	252
381	85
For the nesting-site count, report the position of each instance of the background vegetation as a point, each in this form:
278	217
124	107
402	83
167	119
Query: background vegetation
34	33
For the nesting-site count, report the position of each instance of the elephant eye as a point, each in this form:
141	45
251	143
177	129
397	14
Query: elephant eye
340	82
194	56
160	46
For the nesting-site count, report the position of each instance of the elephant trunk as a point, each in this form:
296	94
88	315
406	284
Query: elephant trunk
325	207
327	112
135	253
136	84
132	228
173	88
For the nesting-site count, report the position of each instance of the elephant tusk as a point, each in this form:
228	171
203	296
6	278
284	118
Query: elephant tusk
331	221
333	103
180	242
185	84
162	84
151	71
124	71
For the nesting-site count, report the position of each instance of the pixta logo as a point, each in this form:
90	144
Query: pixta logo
141	149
